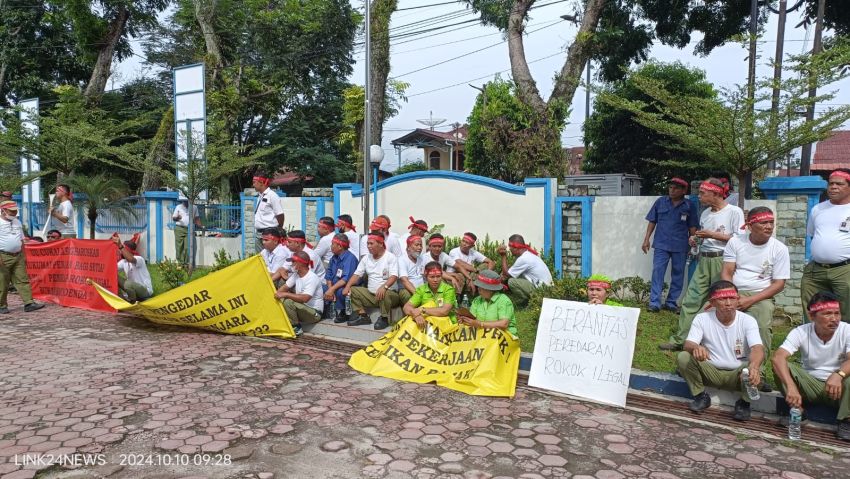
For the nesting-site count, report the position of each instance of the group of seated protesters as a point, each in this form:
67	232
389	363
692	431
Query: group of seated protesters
385	270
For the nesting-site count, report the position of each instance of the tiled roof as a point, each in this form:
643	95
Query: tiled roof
833	152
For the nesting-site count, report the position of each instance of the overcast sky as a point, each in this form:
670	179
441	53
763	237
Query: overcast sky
439	81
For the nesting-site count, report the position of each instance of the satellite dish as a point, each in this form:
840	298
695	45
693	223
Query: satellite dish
431	122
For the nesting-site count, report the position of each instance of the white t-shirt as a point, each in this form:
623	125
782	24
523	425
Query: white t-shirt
353	243
445	261
137	273
472	258
829	228
756	266
728	346
378	270
412	270
318	266
323	249
66	209
819	359
183	211
727	221
391	242
11	235
267	208
276	258
309	284
532	268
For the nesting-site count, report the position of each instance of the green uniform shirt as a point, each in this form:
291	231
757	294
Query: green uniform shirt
499	307
611	302
445	295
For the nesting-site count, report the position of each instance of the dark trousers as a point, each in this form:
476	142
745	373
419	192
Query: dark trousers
660	259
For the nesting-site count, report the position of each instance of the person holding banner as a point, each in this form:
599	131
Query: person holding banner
528	272
13	268
54	235
720	344
269	212
340	269
326	235
181	230
491	308
434	298
381	270
62	216
598	289
302	293
824	346
136	284
345	225
411	269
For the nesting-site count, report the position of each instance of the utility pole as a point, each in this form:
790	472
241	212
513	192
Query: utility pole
777	71
483	92
806	156
367	120
747	188
587	94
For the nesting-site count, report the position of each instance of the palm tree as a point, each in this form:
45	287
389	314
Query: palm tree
102	192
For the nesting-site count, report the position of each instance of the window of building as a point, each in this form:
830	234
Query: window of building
434	160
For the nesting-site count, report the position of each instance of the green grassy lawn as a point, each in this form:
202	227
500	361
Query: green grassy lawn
159	285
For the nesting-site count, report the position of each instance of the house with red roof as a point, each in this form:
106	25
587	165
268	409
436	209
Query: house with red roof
444	150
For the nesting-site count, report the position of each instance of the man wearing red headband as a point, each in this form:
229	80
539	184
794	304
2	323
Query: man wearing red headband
340	269
62	216
758	264
325	228
673	219
415	228
411	269
268	213
392	241
296	241
302	293
491	309
136	284
824	346
526	274
381	270
436	243
829	229
720	344
346	226
274	254
434	298
718	224
469	259
13	266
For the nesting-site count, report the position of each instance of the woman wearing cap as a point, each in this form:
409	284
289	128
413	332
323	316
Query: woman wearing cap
12	263
492	308
598	289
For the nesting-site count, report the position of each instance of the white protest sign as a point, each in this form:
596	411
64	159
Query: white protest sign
585	350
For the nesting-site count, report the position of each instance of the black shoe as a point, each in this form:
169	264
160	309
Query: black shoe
843	431
765	387
672	308
327	312
298	330
381	323
4	310
360	320
653	309
669	347
340	317
33	307
742	410
701	401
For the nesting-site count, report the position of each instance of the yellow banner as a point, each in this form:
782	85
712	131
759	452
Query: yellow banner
236	300
482	362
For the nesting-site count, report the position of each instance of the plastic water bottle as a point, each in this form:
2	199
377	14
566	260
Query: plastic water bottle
795	416
752	391
348	309
464	303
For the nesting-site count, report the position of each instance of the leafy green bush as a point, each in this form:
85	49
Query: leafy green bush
571	288
223	260
632	288
172	273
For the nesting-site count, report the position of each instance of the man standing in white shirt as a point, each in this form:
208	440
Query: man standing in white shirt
136	285
13	266
346	227
381	270
411	268
326	235
302	293
62	216
273	253
268	213
528	272
824	346
720	344
829	229
758	265
718	224
181	230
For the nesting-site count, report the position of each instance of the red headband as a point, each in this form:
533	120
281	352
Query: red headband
299	240
432	269
261	179
758	218
825	305
344	243
487	280
270	236
841	174
377	238
679	181
439	241
724	293
302	260
342	222
522	246
597	283
379	223
707	186
421	224
413	238
469	238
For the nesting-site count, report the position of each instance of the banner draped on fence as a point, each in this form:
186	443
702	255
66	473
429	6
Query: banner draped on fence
58	271
482	362
236	300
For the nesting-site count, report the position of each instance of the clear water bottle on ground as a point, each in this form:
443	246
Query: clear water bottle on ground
752	391
348	309
795	416
464	303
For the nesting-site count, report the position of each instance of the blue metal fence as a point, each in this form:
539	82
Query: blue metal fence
216	218
111	220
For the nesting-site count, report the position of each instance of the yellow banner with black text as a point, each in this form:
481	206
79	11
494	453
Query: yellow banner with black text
236	300
481	362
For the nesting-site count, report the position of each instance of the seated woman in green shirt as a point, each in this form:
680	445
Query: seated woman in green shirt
598	289
434	298
492	308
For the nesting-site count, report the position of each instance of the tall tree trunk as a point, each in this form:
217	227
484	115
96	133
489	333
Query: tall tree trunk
3	67
158	152
205	16
381	12
97	83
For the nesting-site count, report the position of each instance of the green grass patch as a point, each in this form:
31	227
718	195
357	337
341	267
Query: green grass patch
159	286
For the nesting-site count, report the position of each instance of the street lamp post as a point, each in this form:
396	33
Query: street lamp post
376	156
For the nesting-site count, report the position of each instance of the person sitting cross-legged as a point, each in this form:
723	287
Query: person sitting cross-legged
302	293
434	298
491	309
340	270
381	270
824	346
720	344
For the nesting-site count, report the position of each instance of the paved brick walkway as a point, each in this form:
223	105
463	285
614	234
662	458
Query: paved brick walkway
145	401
